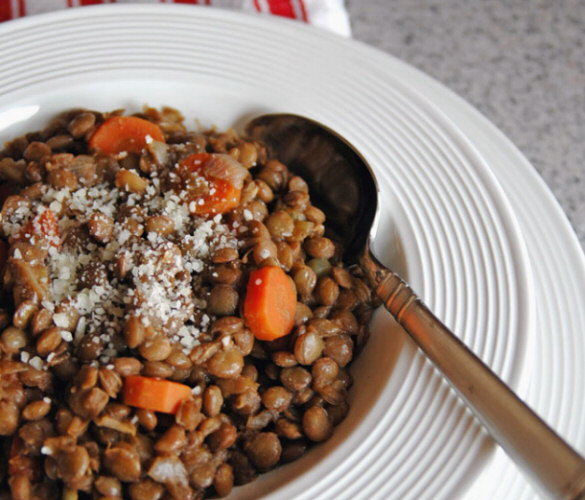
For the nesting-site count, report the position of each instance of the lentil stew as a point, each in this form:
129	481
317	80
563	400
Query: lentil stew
130	366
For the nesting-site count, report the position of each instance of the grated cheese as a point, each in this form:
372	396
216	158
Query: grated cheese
36	362
161	284
61	320
66	336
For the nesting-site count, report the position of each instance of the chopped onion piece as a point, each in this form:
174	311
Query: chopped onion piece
222	166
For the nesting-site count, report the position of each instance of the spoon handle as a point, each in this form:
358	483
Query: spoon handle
549	461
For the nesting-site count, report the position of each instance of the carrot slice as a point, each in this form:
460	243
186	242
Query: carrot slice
154	394
44	225
270	303
125	133
47	222
206	195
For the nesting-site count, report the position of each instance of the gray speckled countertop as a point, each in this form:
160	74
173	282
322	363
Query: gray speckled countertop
522	64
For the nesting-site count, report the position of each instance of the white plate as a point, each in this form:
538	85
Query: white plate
447	225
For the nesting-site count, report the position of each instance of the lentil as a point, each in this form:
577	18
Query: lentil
13	340
223	480
123	462
316	424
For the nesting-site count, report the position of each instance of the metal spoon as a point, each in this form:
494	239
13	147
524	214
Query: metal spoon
344	187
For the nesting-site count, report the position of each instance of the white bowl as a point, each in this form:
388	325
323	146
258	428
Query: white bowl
446	222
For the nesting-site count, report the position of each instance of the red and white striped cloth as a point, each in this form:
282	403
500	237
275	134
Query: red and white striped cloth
328	14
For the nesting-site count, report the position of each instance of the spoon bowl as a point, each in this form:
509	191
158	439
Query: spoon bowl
340	180
344	186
